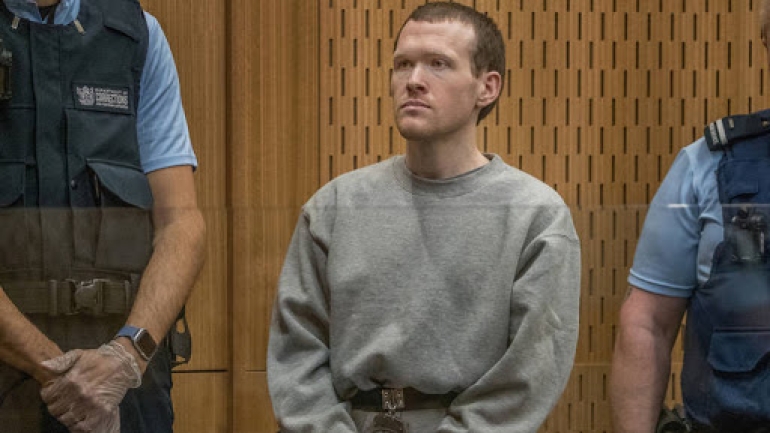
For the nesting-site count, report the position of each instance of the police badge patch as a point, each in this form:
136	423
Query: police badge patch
102	98
85	95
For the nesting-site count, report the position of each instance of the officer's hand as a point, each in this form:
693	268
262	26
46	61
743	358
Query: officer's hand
56	367
86	398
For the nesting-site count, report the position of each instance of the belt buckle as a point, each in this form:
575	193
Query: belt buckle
393	399
390	421
87	297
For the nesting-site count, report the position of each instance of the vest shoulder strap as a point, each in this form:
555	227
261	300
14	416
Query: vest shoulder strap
725	132
125	16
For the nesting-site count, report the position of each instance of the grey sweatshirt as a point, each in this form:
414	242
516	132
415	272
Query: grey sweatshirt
469	284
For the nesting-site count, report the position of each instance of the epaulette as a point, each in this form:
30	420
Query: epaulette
727	130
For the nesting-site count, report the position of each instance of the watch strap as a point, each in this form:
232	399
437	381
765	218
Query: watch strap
141	340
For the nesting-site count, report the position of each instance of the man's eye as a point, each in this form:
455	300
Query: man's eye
402	65
438	63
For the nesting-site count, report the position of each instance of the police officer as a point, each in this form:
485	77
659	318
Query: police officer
703	250
100	235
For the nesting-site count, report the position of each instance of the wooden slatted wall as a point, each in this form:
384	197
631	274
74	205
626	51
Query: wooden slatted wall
283	95
196	32
274	170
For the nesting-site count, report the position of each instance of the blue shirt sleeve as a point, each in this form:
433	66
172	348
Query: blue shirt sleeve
164	139
667	254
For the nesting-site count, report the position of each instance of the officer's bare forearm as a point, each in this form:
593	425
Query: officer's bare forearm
177	254
640	371
169	278
22	345
642	360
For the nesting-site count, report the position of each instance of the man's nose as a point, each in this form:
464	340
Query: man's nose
416	79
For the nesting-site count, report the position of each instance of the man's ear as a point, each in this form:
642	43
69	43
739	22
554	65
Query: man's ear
489	88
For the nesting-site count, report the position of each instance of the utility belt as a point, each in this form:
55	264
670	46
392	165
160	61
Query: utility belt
97	297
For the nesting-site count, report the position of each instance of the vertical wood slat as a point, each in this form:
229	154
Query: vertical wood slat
274	164
202	402
254	411
195	31
274	153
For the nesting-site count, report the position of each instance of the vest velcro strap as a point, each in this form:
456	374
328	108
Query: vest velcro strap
97	297
724	132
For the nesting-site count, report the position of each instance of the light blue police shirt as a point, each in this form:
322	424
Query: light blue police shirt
164	140
683	226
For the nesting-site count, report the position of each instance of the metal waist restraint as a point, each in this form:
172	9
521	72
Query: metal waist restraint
390	402
726	373
75	228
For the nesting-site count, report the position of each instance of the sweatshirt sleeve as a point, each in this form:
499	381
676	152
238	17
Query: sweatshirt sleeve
298	372
519	391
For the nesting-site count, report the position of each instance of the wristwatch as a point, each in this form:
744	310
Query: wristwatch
141	339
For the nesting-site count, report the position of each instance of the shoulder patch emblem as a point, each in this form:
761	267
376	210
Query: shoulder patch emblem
85	95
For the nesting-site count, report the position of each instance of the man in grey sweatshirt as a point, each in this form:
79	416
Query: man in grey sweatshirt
436	291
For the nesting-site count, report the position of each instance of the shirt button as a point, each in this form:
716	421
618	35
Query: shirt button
74	184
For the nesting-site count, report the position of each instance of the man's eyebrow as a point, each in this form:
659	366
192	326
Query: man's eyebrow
431	53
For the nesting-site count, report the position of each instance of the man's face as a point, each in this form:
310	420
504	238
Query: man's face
435	93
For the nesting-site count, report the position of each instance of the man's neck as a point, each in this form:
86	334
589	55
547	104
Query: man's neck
443	159
45	3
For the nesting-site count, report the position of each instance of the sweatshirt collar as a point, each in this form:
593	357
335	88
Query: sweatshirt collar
452	187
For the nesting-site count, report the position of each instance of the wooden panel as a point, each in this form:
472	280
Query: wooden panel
274	158
201	402
195	31
253	411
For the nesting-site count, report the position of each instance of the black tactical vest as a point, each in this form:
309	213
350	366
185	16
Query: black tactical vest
726	372
74	201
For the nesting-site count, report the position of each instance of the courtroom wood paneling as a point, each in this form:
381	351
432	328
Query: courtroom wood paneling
202	402
274	88
254	413
196	33
273	128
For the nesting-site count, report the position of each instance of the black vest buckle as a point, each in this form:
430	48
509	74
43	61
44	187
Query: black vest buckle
86	297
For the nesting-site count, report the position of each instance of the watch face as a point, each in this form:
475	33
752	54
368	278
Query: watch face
145	343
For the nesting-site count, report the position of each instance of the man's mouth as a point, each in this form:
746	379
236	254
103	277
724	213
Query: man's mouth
414	103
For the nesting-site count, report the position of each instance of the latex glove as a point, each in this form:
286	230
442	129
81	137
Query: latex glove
62	364
86	398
